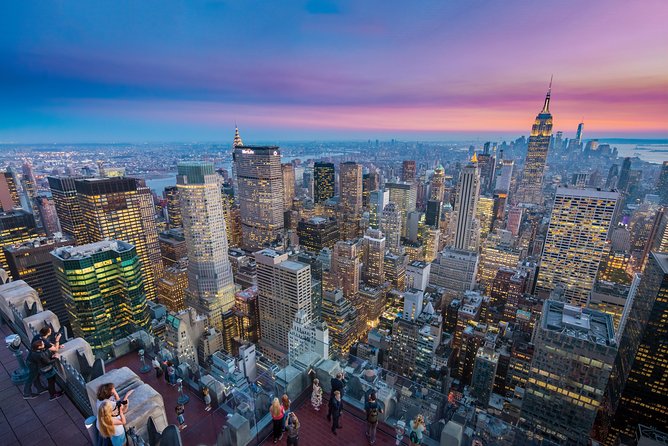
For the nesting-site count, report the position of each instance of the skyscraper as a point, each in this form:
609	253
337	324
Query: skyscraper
30	187
350	187
575	349
373	255
122	209
662	184
16	226
370	183
288	171
68	208
47	211
9	196
644	348
323	181
437	184
260	194
173	207
317	233
103	290
578	134
467	235
408	171
575	241
624	176
404	196
391	226
210	284
530	190
284	288
31	262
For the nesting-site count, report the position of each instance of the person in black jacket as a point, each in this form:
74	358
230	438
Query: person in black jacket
336	407
337	384
45	361
33	380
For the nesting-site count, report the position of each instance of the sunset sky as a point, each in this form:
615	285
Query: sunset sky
75	71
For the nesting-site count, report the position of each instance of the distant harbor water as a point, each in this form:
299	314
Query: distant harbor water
158	185
651	151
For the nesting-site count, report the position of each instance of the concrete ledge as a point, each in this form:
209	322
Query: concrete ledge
145	402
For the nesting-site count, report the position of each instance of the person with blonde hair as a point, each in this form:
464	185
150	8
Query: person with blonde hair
316	395
110	427
277	413
417	430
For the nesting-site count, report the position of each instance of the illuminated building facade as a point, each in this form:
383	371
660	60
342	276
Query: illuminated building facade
373	254
574	353
378	199
210	284
31	262
370	183
103	289
247	309
172	246
119	208
395	270
284	288
497	252
288	171
16	226
317	233
530	190
485	215
173	207
323	181
467	234
576	241
341	318
437	185
68	208
172	286
455	271
260	195
350	187
391	226
644	348
404	196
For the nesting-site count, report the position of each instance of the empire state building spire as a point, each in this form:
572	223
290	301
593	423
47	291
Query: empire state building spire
530	190
237	138
546	105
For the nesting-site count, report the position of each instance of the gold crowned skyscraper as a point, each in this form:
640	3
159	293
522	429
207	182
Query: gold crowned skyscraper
530	190
210	284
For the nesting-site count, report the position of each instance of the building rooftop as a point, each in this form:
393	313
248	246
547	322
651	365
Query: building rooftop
578	322
37	242
291	265
83	251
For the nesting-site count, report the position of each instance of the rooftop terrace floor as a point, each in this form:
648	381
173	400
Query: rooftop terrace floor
37	421
202	426
316	430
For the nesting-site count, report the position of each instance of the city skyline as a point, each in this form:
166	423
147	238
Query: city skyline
326	70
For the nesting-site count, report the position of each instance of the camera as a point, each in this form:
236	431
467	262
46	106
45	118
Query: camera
120	404
13	342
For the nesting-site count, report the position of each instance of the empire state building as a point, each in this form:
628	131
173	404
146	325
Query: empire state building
530	190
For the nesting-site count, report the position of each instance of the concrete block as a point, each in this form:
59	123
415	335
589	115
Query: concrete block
33	324
145	402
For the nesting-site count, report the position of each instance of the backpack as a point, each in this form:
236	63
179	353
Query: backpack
372	416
